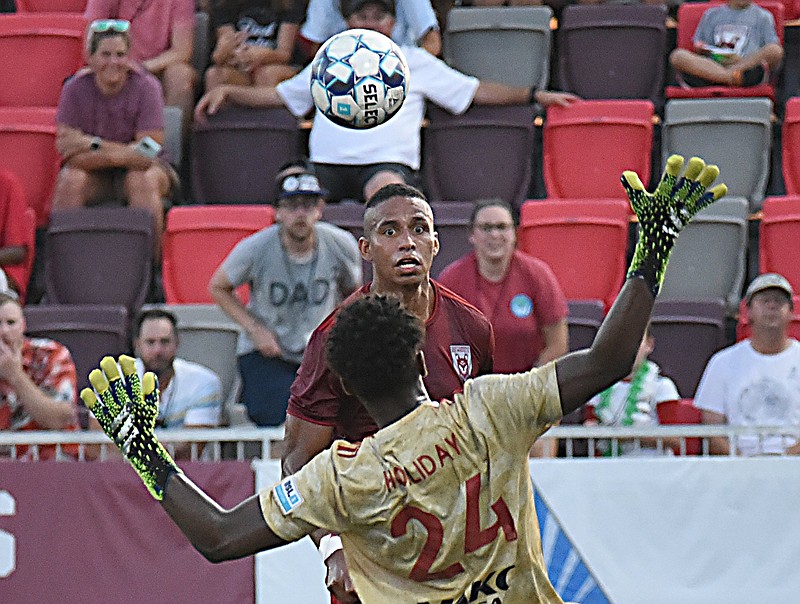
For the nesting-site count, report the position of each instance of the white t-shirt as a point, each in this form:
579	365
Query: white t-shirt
415	18
193	396
754	389
397	140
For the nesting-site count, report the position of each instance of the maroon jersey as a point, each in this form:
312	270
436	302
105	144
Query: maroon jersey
459	344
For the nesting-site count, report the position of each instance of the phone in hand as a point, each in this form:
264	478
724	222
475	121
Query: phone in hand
148	147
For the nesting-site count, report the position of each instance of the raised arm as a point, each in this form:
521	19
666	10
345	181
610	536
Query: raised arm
662	215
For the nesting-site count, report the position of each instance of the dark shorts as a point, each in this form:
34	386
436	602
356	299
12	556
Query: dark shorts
347	182
265	387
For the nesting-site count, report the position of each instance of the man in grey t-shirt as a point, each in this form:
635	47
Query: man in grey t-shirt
298	271
735	44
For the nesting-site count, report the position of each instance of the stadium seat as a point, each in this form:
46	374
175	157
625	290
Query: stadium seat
709	259
349	215
508	44
28	149
585	317
687	333
51	6
89	331
790	146
584	242
681	412
779	238
743	324
173	134
452	223
201	49
237	152
484	153
613	51
589	144
709	128
99	256
47	47
197	239
21	273
689	14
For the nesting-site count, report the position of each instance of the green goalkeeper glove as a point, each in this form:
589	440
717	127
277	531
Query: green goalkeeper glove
126	410
663	214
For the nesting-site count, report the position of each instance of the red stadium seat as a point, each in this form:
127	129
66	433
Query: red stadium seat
681	411
27	148
743	325
790	141
196	241
588	144
779	238
584	242
47	49
51	6
689	14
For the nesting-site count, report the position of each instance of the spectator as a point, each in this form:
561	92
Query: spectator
13	247
255	42
735	45
38	383
191	394
104	114
518	293
298	271
416	23
634	402
756	382
339	154
162	39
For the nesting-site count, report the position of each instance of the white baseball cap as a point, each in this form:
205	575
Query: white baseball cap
768	281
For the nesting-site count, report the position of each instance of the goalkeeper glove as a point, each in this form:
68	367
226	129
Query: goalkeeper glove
126	410
663	214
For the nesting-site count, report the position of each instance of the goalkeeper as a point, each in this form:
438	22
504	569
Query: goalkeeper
459	471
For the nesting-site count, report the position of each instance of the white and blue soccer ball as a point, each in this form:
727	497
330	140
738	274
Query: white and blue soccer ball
359	78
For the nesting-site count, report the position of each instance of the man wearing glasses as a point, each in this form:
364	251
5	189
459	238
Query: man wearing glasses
298	271
110	130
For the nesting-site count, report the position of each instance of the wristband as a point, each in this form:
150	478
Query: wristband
328	545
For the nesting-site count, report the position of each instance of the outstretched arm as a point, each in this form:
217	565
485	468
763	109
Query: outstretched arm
662	215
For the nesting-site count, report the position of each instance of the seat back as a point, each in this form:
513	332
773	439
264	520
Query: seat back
743	323
681	412
49	49
464	154
99	256
89	331
509	44
201	49
709	258
451	221
790	146
779	238
588	145
28	150
173	134
583	241
215	230
585	317
349	215
237	152
51	6
687	333
613	51
709	128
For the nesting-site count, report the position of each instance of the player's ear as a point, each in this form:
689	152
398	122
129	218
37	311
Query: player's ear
363	247
435	243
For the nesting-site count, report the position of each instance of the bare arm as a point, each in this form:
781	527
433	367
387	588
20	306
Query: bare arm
281	54
492	93
302	441
717	445
13	254
75	150
556	342
432	42
249	96
180	50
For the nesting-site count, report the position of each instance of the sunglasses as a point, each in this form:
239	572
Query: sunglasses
103	25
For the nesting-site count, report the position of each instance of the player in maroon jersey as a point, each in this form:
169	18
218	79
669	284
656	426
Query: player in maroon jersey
400	242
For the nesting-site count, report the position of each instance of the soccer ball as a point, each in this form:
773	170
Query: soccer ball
359	78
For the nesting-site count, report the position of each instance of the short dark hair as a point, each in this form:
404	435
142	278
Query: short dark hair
495	202
386	192
96	37
373	347
154	313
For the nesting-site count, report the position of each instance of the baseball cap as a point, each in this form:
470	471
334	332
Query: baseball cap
351	6
300	182
767	281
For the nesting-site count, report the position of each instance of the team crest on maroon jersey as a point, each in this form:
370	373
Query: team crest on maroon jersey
461	354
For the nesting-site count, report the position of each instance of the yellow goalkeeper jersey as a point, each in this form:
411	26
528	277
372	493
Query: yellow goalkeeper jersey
438	506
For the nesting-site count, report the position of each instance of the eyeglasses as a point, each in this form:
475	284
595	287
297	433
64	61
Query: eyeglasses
103	25
299	202
488	227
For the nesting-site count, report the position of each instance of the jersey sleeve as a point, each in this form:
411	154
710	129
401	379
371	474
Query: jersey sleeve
296	93
69	105
552	304
238	265
151	110
315	393
446	87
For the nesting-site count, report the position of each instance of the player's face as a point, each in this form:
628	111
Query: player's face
298	215
110	62
157	345
372	16
493	236
12	325
401	243
770	309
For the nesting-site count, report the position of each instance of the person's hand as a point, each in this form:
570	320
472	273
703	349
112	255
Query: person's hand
337	579
10	361
71	142
264	340
561	99
227	44
244	58
663	214
126	410
210	102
